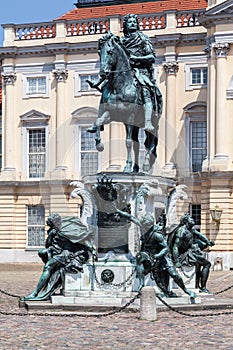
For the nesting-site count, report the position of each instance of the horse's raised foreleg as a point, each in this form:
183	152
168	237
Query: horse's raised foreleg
128	165
103	119
136	147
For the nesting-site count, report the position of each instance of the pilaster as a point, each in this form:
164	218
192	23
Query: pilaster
221	158
61	75
9	79
171	68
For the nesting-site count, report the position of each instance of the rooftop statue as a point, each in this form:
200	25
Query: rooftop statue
129	91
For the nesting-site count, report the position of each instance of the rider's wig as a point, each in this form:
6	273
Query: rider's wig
126	18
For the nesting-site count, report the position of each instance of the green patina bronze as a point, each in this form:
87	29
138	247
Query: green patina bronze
129	91
68	246
154	256
186	245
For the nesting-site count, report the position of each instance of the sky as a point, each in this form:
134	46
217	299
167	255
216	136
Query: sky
28	11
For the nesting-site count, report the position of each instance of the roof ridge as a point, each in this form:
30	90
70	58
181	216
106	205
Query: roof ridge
138	8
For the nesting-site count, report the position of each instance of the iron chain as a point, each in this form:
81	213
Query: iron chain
9	294
113	284
192	315
224	290
45	314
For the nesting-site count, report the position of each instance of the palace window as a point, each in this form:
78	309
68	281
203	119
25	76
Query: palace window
35	226
81	85
36	152
196	136
195	212
35	130
88	154
84	86
35	85
198	147
196	76
199	76
87	158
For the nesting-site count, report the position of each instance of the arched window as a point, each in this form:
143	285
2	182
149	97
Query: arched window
196	135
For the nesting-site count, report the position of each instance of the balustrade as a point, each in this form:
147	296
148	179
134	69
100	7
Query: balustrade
35	31
152	22
88	27
188	19
92	26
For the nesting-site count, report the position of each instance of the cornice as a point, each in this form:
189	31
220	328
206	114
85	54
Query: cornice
48	49
220	14
179	39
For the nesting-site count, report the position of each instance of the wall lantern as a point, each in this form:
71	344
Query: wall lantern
216	214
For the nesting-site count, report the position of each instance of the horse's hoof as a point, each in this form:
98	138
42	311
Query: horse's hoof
100	147
149	129
92	129
135	168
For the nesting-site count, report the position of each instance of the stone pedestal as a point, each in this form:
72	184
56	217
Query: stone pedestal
188	275
124	237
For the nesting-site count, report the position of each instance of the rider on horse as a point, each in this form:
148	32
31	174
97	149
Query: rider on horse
141	57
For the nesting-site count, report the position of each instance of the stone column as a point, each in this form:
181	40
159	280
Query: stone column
220	161
171	68
61	76
8	80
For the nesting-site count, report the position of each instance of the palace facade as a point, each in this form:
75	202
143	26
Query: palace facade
47	107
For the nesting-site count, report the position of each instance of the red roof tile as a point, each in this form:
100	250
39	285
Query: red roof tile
139	9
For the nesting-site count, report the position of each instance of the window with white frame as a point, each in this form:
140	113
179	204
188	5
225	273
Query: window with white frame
88	152
199	76
36	152
81	84
84	86
35	85
196	76
196	135
35	226
35	131
195	212
198	146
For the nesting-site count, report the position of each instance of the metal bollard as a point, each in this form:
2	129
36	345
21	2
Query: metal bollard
148	304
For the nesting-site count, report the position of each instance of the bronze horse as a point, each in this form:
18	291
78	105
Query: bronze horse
121	102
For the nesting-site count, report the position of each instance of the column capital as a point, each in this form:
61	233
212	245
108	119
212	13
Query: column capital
221	49
207	51
171	67
9	78
60	74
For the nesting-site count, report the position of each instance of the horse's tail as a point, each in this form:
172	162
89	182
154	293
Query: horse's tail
158	101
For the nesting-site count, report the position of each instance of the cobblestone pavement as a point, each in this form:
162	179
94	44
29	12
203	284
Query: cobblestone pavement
123	331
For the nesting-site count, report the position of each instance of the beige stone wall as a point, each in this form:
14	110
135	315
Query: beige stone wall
208	188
